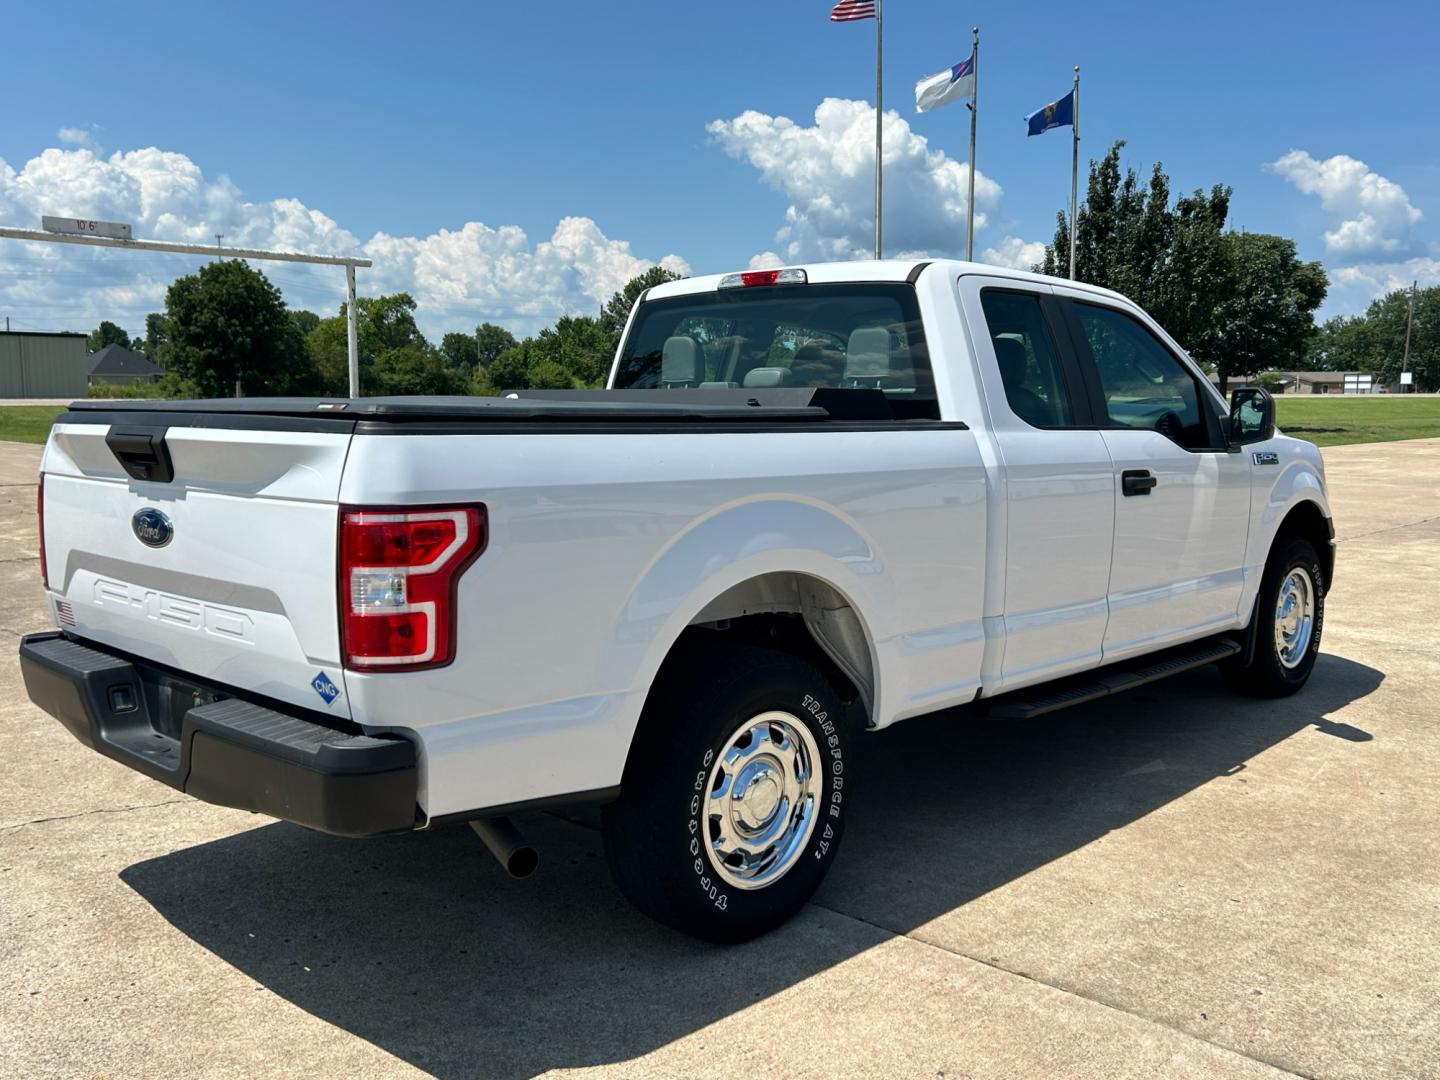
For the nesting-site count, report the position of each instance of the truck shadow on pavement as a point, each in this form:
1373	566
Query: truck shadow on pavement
422	946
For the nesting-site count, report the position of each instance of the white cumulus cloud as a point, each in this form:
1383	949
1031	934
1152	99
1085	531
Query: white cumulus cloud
72	136
827	172
1353	287
458	277
1373	215
1015	253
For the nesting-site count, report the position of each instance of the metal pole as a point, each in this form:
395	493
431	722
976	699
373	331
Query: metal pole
974	115
352	336
7	233
1074	164
1409	322
879	121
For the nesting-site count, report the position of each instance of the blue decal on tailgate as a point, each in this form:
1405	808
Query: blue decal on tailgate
325	688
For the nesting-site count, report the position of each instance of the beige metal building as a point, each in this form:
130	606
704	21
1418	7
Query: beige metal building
36	364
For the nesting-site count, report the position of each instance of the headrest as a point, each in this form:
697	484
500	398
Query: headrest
765	376
1011	356
679	361
868	354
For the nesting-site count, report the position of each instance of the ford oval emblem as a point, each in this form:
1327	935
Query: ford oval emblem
152	528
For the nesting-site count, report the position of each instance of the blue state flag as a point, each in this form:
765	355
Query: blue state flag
1057	114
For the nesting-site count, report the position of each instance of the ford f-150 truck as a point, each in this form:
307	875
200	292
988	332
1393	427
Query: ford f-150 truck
811	502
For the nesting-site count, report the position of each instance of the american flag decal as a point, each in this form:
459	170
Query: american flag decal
852	10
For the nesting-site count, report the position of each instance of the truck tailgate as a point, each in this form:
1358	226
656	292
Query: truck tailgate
243	591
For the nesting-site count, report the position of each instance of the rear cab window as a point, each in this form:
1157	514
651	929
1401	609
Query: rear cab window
1029	362
851	335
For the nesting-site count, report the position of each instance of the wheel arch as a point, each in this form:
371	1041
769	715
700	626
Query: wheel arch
1308	520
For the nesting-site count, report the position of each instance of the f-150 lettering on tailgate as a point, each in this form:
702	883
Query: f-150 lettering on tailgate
176	610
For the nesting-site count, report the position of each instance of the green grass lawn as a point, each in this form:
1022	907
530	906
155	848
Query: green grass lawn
27	423
1335	419
1329	420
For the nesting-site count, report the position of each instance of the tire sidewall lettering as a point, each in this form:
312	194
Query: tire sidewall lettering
814	714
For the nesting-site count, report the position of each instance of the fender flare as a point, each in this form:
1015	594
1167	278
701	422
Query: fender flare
735	544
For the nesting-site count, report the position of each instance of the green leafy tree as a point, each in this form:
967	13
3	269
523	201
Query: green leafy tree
304	321
1375	341
229	327
550	375
460	350
415	369
107	333
395	357
617	309
1264	317
1238	303
157	335
490	342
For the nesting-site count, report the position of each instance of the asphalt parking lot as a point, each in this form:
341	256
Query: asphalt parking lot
1176	883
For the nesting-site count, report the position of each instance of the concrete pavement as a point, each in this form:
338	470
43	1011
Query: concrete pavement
1175	883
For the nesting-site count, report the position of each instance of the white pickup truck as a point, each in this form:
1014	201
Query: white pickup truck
813	501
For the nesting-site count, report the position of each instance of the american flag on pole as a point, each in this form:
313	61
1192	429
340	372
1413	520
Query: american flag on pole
852	10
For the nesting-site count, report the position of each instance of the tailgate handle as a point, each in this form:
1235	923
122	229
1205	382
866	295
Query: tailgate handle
142	453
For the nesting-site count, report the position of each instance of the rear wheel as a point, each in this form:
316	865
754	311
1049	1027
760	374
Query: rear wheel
732	805
1291	613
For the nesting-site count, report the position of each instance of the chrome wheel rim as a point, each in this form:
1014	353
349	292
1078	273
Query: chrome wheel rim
764	794
1294	617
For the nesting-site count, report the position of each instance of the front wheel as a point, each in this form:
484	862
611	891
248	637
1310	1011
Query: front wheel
1291	613
734	798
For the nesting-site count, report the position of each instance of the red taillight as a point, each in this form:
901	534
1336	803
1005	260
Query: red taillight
398	573
760	277
40	514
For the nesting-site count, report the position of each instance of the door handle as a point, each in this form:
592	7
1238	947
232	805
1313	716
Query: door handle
1136	482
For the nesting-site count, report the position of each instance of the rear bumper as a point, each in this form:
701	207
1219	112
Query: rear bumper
197	739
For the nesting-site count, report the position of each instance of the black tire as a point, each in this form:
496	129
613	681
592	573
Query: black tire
657	833
1265	675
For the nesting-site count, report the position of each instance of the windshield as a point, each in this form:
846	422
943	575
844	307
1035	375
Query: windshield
857	336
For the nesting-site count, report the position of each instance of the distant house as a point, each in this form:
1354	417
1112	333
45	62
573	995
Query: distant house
1318	382
116	365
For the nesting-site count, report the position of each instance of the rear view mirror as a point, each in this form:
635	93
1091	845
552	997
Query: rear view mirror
1252	415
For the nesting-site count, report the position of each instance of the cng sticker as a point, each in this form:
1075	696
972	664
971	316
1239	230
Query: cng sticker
325	688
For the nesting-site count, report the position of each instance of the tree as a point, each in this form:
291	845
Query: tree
1238	303
107	333
157	335
415	369
617	309
1375	341
304	321
1265	316
490	342
460	350
395	357
229	327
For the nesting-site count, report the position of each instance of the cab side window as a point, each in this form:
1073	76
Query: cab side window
1029	362
1145	385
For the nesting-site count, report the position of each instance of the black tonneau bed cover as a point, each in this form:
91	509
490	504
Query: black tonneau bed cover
797	405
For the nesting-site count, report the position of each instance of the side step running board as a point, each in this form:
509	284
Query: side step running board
1102	682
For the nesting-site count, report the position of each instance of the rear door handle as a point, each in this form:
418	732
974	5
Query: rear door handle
1136	482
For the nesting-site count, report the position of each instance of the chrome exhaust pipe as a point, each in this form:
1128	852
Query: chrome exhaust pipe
507	845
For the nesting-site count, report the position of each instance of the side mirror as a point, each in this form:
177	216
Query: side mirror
1252	415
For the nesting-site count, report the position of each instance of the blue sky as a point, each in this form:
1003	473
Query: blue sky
410	120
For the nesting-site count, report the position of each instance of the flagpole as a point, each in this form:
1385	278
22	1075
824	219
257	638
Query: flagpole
1074	164
879	120
974	116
